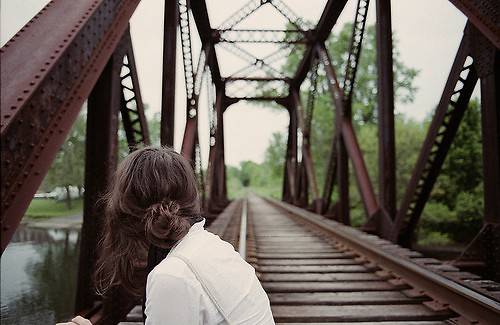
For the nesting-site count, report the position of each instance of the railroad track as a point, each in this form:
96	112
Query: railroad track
317	271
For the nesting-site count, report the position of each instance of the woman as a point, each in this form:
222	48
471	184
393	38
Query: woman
153	205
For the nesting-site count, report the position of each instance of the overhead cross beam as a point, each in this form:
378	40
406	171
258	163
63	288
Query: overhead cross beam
261	36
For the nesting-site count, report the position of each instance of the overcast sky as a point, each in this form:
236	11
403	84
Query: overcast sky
428	34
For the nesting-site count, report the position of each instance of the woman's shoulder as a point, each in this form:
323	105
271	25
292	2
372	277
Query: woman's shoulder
171	269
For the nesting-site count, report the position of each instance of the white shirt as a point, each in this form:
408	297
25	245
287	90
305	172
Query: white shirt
178	293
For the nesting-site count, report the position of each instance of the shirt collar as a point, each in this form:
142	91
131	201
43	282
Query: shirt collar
194	228
197	226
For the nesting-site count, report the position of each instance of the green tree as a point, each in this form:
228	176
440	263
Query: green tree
459	187
69	165
274	158
462	169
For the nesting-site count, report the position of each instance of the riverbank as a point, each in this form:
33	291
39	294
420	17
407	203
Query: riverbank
49	208
66	222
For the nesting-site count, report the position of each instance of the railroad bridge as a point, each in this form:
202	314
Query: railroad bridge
314	266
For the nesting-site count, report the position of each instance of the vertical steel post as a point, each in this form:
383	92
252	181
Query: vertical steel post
171	17
100	162
490	117
221	170
490	111
307	162
216	168
330	177
385	95
289	179
342	213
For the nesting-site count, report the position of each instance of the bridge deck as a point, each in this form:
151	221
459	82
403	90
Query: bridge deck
315	277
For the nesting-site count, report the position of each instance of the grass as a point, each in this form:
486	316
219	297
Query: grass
48	208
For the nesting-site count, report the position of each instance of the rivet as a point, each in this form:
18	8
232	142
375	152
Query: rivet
13	107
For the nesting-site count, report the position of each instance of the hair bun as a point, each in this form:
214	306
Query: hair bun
163	208
163	224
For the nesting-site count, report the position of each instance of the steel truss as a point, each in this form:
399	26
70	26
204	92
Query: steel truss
89	56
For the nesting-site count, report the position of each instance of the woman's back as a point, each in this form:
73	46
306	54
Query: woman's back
204	281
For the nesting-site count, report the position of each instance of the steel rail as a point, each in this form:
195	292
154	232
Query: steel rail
470	304
242	242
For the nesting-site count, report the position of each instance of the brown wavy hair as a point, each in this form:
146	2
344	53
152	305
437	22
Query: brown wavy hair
152	197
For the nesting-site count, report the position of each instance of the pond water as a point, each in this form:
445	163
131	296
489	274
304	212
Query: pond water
38	276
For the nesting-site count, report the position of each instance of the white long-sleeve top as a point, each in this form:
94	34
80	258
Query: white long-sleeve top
178	293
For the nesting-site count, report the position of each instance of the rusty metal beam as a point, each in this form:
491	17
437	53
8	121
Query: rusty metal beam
357	35
249	79
331	13
307	162
349	138
200	14
444	126
193	94
101	148
41	100
484	15
170	22
343	209
189	139
487	63
260	98
362	177
217	191
490	104
132	108
260	36
338	165
289	193
330	177
385	103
